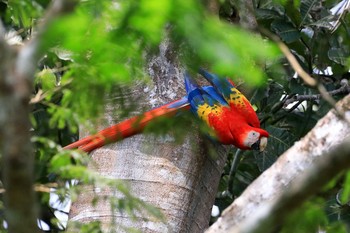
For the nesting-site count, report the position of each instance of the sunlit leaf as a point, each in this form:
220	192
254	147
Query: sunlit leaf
47	79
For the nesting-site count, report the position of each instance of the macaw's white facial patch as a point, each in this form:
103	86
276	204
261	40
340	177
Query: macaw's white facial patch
251	138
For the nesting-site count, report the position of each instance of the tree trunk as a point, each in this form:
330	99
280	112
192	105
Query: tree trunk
16	150
17	69
181	180
298	173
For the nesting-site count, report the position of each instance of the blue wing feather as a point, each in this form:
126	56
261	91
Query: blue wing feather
201	95
221	85
194	93
215	95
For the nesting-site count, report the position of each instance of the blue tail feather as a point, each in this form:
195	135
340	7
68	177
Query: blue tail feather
179	103
190	83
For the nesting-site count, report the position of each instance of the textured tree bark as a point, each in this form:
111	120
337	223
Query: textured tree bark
181	180
246	14
300	172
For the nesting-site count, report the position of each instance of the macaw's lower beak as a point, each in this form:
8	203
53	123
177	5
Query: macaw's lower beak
263	143
260	145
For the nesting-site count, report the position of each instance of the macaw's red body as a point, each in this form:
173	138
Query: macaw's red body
221	106
227	111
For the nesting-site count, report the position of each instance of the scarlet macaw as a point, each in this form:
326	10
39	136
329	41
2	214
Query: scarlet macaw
221	106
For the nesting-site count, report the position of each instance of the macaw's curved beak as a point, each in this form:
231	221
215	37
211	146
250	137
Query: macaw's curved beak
260	145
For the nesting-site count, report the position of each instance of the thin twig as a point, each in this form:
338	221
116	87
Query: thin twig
44	188
295	64
42	95
345	89
284	115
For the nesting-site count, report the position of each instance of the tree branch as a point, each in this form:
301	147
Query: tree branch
294	63
295	176
323	170
344	89
246	14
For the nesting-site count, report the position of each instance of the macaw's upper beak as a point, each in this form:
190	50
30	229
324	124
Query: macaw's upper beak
260	145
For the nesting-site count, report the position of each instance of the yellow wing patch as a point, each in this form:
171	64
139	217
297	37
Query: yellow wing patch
243	107
237	98
204	110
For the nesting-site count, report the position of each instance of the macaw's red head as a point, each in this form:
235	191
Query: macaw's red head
251	138
254	138
233	129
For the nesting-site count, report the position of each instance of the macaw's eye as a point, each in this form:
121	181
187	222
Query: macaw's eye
253	135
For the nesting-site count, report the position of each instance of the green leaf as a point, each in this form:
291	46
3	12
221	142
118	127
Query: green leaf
267	14
59	161
305	9
309	218
278	142
47	79
285	30
324	22
24	13
154	14
345	195
264	159
338	55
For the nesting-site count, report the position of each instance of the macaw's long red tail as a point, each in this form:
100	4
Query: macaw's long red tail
128	127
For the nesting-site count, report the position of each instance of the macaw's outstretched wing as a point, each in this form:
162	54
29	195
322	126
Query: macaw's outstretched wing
222	85
129	127
237	101
208	105
204	101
